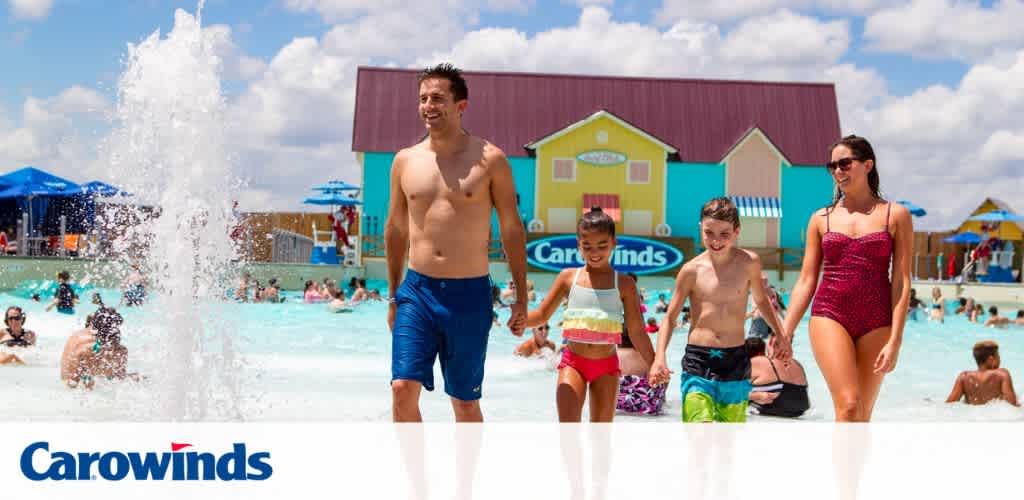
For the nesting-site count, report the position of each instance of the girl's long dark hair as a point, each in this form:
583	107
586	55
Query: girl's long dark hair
862	150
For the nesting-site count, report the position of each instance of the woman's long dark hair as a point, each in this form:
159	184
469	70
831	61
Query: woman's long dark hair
862	150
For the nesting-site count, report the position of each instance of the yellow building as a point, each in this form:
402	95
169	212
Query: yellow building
1007	230
603	161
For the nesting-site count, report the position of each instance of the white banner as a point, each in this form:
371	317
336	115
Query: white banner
510	461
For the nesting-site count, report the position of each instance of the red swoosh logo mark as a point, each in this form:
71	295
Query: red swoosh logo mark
178	446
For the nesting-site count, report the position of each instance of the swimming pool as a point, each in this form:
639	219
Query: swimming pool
298	362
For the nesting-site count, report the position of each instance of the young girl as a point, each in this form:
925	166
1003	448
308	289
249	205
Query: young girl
600	304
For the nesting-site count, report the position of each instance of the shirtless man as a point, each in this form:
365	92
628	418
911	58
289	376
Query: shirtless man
442	193
537	343
995	320
716	367
986	383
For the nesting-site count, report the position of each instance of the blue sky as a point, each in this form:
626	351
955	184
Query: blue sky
920	77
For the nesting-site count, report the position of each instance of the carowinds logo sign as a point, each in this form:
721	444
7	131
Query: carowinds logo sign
601	157
632	254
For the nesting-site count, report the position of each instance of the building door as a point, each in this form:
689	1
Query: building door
562	220
637	222
753	232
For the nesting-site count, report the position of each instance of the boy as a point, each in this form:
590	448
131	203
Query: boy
995	319
988	382
65	298
716	368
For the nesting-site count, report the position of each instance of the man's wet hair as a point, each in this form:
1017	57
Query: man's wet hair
963	301
984	350
1020	313
993	310
107	323
447	71
721	208
596	220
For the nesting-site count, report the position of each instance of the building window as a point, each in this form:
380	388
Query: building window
639	172
563	170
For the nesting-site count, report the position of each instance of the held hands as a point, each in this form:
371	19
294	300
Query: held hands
886	360
517	321
659	373
782	347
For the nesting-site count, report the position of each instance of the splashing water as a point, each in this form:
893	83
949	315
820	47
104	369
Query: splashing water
168	148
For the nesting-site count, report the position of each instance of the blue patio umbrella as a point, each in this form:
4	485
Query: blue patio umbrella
102	189
332	199
967	237
997	216
336	186
33	189
915	210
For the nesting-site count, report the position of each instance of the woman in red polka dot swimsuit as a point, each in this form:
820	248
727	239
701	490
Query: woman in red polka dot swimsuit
857	319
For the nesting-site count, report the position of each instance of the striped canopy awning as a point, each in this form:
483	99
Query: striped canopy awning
758	206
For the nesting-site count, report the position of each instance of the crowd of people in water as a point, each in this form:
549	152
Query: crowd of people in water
326	291
973	311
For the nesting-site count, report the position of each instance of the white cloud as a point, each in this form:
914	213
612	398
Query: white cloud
55	133
948	148
758	48
674	10
958	29
30	9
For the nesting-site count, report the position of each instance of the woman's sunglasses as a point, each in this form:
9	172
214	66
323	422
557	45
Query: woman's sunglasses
16	318
843	164
543	328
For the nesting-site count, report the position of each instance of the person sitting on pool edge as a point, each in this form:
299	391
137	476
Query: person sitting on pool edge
65	298
535	345
776	393
15	334
986	383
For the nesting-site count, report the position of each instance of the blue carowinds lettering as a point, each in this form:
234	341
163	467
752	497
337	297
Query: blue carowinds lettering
632	254
235	465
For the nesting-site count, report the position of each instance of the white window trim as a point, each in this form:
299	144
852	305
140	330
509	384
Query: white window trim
629	167
556	179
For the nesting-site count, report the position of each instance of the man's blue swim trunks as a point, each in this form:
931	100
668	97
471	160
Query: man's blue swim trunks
447	318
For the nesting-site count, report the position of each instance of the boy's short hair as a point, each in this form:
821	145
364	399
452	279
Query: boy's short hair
64	275
984	350
723	209
993	310
963	301
1020	313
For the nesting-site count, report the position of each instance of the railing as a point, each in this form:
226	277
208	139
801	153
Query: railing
290	247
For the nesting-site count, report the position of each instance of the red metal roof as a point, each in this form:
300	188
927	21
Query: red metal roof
703	119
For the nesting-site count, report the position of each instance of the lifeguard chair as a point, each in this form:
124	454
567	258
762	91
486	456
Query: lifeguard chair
324	251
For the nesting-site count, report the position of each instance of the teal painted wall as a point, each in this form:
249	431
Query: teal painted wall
376	187
690	185
804	190
524	174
